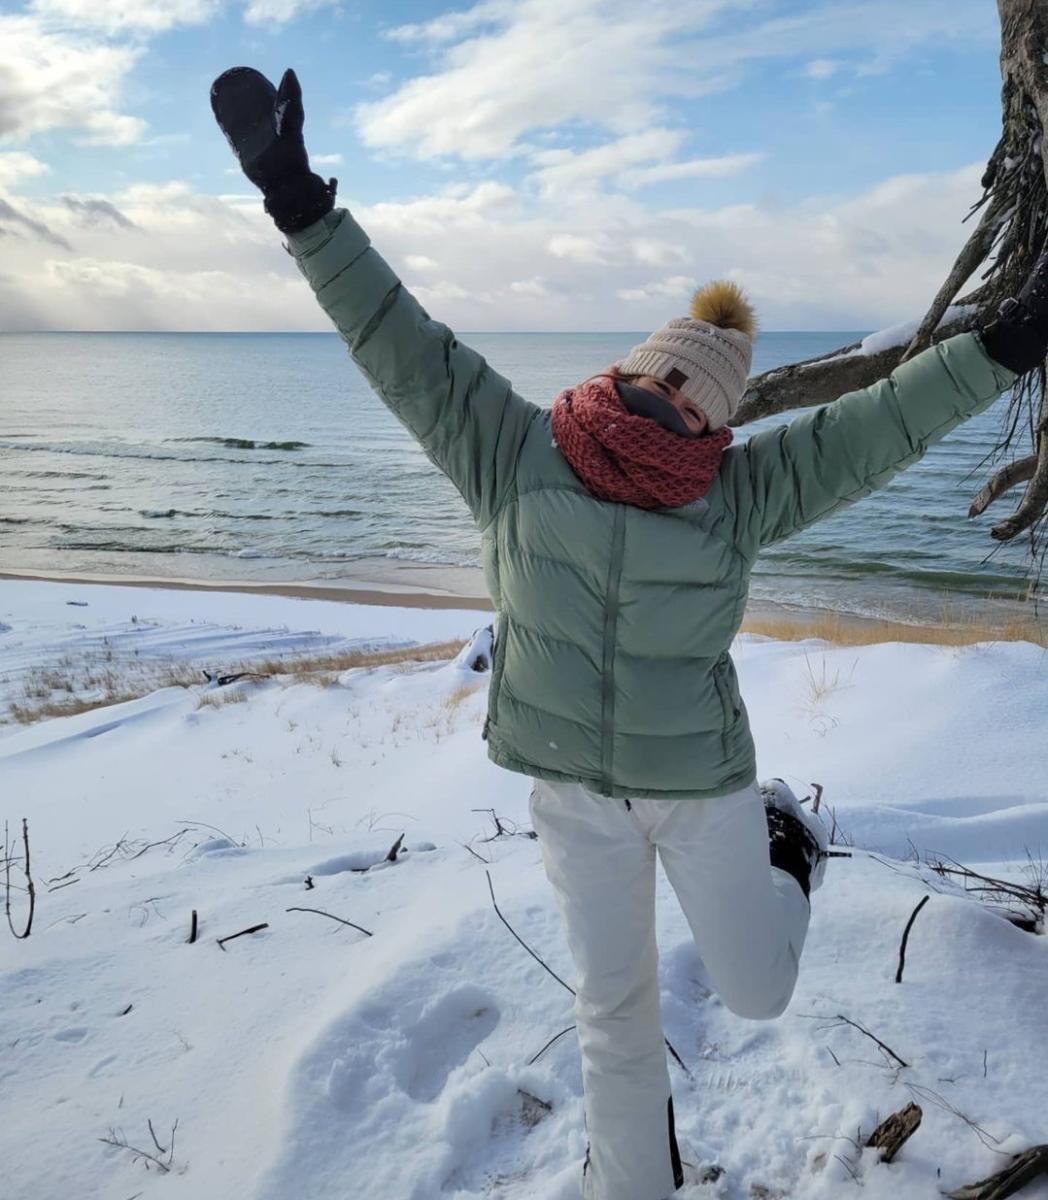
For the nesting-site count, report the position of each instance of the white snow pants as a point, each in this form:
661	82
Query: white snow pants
749	921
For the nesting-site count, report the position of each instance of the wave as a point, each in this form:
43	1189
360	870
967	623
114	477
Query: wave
61	475
89	451
244	443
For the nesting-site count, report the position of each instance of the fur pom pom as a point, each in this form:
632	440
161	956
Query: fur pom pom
723	303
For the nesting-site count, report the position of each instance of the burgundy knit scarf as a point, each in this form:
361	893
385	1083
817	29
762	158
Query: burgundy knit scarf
630	459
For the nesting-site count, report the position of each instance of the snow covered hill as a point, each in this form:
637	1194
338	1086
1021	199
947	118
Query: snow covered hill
397	1057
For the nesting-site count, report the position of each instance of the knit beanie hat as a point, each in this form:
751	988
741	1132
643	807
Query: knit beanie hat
706	356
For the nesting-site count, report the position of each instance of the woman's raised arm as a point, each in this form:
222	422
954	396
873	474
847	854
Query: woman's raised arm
465	415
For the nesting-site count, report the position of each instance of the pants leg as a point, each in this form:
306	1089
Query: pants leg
602	868
748	918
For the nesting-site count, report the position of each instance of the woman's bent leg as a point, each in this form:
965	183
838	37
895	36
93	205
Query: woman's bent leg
749	919
602	867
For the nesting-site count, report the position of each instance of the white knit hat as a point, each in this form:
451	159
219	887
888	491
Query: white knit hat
706	356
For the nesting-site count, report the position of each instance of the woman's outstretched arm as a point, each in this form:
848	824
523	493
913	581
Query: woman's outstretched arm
466	416
784	479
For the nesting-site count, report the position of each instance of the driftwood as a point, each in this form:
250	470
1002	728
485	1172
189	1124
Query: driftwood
1000	252
892	1133
1019	1172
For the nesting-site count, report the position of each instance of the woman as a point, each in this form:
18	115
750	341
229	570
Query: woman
619	530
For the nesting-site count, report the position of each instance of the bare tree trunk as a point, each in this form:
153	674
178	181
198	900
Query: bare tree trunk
1010	233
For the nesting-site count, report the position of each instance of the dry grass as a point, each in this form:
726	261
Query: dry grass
324	669
69	686
220	698
844	630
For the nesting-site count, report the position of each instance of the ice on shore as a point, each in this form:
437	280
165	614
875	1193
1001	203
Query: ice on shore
319	1061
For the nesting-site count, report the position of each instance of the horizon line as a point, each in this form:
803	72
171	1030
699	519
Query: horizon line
335	333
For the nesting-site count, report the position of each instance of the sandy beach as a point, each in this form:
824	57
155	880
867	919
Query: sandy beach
463	589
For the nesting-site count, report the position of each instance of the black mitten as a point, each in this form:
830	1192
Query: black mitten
263	125
1017	337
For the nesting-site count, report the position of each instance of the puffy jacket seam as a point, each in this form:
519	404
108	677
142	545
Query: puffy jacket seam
342	270
376	318
549	637
506	693
512	492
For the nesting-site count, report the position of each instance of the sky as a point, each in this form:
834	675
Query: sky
554	165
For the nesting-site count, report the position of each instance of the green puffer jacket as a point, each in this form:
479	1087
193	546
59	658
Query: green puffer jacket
611	664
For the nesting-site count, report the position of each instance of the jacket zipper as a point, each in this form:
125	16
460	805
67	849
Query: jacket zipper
611	620
497	664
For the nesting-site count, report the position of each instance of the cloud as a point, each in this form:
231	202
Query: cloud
577	248
503	72
562	169
150	17
673	287
694	168
58	80
325	160
279	12
96	212
16	223
216	262
533	64
529	287
18	165
821	68
120	16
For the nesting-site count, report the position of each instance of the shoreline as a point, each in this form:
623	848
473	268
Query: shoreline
763	617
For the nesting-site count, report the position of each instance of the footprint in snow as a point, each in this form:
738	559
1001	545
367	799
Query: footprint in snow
419	1055
443	1038
76	1034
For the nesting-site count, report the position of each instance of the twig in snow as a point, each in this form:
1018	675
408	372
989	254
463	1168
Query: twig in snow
501	829
983	1135
59	886
242	933
905	938
127	1010
30	888
394	850
850	1169
485	861
162	1160
152	1134
536	1057
320	913
491	888
862	1029
193	928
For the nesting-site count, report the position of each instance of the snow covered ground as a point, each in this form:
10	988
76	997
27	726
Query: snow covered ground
313	1061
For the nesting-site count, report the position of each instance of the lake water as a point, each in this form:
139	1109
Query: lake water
266	457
